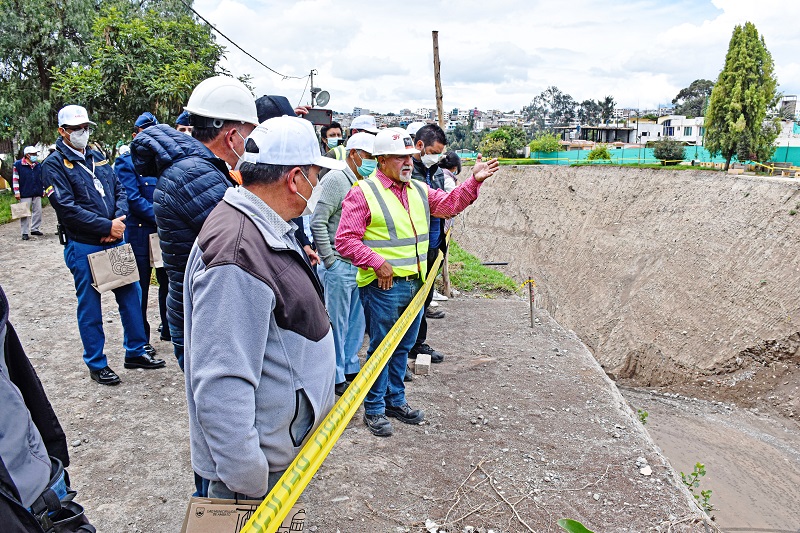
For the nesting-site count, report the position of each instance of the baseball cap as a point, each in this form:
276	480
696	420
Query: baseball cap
364	123
361	141
288	141
73	115
29	150
271	106
414	127
183	119
146	120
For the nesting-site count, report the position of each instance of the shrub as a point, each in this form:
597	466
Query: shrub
669	151
492	147
599	152
545	142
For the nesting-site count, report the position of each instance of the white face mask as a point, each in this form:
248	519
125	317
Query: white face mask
430	159
311	201
240	160
79	139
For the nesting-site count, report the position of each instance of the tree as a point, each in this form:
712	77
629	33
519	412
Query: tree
736	120
506	141
139	59
606	108
545	142
691	100
589	112
39	38
599	152
669	151
551	108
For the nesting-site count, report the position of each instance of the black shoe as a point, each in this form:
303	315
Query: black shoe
405	414
434	313
145	361
436	357
340	388
149	350
37	233
104	376
409	377
350	377
25	237
379	425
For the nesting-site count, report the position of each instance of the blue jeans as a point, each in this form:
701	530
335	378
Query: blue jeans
382	309
347	316
90	314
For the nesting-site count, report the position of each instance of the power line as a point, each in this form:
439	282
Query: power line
308	78
251	56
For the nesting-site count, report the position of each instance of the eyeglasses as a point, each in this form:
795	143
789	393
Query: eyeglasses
72	129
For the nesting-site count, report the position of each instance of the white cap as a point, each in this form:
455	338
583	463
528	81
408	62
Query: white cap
361	141
394	141
364	123
414	127
29	150
73	115
288	141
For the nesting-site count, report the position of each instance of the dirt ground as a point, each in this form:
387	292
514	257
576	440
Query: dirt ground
523	427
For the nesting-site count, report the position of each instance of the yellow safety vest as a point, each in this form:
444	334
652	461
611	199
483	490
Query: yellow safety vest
397	235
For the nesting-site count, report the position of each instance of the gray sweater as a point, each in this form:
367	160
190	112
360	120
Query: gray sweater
260	360
328	212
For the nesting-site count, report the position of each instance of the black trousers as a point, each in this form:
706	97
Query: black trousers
143	264
423	325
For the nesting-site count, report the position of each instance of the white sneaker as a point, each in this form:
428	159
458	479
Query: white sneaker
439	297
434	304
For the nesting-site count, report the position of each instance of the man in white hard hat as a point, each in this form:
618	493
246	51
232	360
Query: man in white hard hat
91	206
339	274
384	232
28	189
362	123
259	384
193	176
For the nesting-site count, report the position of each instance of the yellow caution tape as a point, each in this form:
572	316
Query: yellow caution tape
270	514
528	281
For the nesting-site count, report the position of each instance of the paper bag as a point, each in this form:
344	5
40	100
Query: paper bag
156	261
20	210
113	268
210	515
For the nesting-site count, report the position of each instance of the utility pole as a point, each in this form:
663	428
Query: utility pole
440	112
437	79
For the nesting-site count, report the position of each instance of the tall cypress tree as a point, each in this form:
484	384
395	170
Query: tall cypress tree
736	121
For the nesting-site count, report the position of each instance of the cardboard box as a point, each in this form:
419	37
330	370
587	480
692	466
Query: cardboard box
209	515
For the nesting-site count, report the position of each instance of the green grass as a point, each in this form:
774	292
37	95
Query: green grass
467	273
505	161
6	199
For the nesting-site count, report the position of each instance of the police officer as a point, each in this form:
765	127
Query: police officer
139	225
91	207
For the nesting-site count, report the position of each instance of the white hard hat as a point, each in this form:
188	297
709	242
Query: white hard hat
364	123
361	141
29	150
288	141
73	115
414	127
394	141
224	98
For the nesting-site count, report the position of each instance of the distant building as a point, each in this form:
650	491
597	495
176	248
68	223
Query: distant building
680	128
357	111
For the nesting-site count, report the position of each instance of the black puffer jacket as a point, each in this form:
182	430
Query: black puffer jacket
191	182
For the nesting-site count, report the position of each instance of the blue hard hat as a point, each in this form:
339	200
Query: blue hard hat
146	120
183	119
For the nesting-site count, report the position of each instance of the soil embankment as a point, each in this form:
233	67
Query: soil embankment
683	279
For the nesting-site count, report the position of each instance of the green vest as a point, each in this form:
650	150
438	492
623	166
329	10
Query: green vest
340	152
391	231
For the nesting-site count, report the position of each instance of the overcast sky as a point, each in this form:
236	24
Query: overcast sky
497	54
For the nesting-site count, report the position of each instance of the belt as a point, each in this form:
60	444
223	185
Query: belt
406	278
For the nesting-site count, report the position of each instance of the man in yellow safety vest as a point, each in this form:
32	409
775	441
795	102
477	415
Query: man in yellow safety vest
384	232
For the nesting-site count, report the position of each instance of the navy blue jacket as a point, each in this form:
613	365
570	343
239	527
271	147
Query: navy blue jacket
191	182
30	180
141	221
434	177
84	213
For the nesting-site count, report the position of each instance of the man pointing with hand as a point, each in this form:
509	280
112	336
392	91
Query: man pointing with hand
384	232
91	207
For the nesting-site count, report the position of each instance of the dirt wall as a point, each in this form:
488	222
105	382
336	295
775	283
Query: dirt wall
662	273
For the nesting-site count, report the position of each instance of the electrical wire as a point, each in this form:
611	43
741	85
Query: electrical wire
251	56
304	90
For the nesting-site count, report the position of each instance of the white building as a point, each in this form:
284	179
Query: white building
680	128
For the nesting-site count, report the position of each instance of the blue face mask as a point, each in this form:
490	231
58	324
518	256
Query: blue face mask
367	166
333	142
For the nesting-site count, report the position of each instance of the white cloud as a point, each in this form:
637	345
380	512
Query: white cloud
497	55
